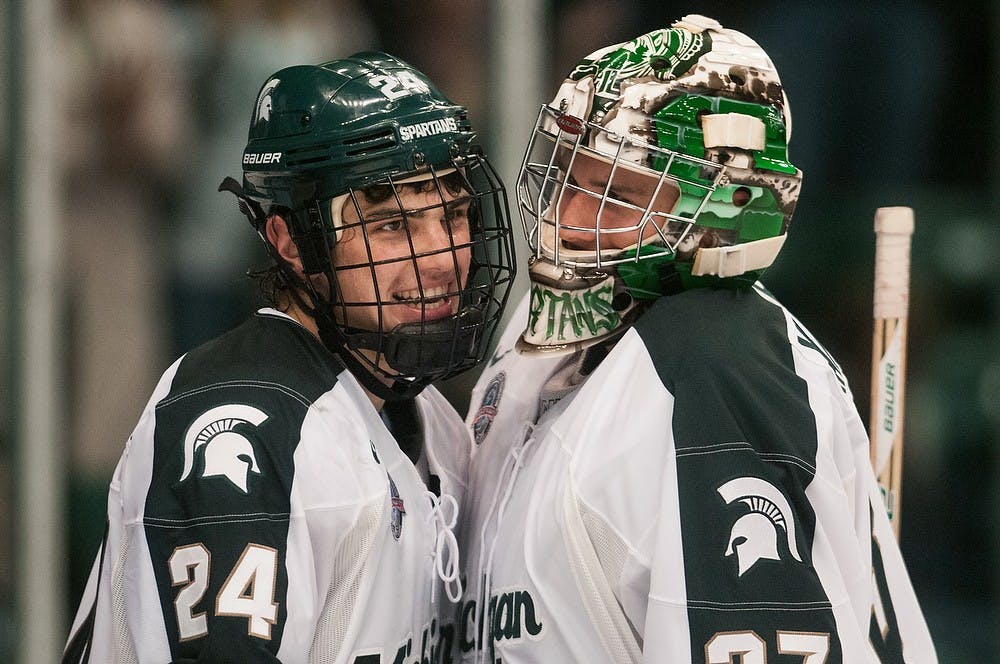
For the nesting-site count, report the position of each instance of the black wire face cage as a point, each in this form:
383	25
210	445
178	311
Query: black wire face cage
422	268
645	199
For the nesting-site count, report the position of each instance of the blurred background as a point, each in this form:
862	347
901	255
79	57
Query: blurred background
117	253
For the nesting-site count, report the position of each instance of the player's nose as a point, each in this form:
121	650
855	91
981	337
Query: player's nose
578	221
434	243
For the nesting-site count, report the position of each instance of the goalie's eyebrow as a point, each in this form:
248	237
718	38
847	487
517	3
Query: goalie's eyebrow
636	186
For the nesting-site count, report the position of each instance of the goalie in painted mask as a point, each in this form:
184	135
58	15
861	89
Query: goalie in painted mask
661	165
672	468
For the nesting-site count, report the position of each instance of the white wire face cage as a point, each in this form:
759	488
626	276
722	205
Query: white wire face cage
641	201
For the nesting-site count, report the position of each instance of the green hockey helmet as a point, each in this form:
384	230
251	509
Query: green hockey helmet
320	130
660	165
328	144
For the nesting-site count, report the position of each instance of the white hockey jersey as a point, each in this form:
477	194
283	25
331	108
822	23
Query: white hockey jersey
704	495
262	511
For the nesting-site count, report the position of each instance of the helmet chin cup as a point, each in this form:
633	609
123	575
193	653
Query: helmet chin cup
432	349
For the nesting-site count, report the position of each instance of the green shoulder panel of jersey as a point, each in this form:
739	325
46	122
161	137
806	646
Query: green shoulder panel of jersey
746	446
217	509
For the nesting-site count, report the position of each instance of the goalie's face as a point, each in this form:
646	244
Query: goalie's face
403	253
609	207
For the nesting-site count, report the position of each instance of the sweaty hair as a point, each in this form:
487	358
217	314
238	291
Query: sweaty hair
453	183
271	285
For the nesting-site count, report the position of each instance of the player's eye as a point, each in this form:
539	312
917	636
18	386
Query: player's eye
457	211
386	225
615	195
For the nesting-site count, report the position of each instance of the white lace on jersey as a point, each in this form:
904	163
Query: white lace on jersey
445	553
497	508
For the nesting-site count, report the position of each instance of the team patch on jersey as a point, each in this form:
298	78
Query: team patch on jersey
488	408
225	452
754	535
398	510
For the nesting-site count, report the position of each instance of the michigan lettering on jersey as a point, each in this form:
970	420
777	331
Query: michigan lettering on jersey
435	647
510	616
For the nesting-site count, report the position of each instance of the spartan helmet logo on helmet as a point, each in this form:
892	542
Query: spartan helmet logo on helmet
754	536
227	453
264	99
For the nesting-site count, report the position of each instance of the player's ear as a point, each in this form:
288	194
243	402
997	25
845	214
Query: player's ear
276	229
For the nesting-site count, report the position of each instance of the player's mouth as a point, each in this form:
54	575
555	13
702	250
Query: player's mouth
428	303
579	246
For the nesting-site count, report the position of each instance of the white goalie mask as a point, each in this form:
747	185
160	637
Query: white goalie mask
660	165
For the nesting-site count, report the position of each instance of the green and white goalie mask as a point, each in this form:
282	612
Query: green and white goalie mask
660	165
399	220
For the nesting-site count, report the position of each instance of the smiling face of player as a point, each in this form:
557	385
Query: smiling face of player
587	224
402	257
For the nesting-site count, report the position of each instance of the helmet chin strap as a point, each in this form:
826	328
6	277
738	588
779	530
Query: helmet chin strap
341	345
335	339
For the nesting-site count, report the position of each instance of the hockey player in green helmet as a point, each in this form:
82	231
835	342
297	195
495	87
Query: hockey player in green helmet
290	492
345	162
668	467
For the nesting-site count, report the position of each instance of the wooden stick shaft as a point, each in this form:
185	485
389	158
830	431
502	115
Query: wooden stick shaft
878	347
893	229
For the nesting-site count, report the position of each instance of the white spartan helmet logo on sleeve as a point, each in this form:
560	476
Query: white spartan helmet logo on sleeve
227	453
755	535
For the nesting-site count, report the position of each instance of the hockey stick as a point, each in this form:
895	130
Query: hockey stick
893	230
